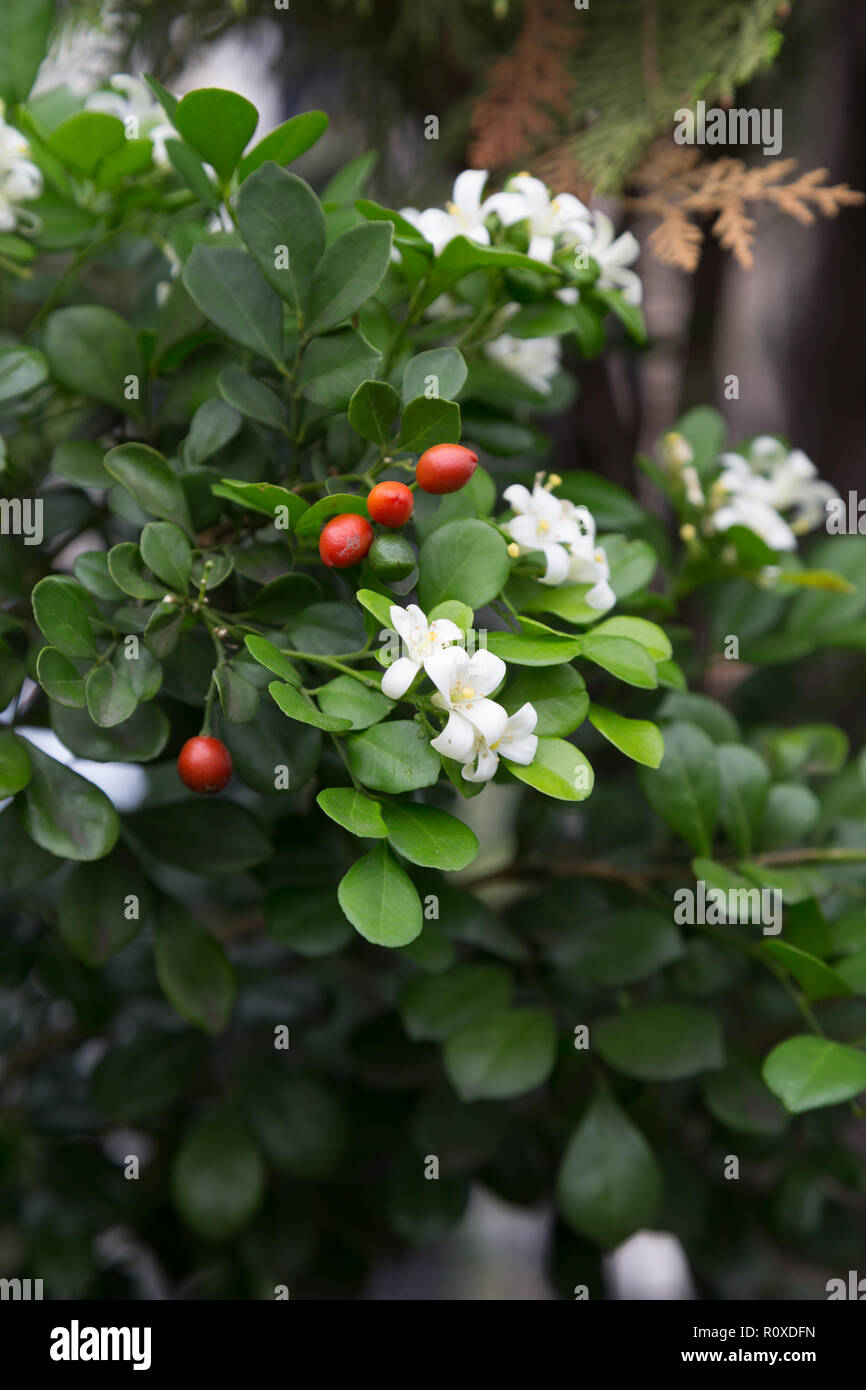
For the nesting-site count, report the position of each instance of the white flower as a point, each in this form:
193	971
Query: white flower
796	485
588	563
130	97
543	522
757	516
462	684
613	256
518	744
528	200
754	491
534	360
20	178
463	216
421	641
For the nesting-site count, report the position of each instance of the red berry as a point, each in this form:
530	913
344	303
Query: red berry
345	540
204	764
391	504
445	468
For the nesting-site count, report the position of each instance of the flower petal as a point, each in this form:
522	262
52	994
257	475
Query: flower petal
487	717
397	679
484	671
468	188
457	739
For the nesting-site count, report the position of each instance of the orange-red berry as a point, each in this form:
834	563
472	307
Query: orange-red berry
345	540
391	504
204	764
445	468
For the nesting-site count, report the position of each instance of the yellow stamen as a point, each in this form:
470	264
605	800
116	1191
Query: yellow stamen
452	209
468	692
543	526
513	550
553	481
688	533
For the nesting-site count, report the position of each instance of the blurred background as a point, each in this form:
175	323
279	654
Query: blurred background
790	328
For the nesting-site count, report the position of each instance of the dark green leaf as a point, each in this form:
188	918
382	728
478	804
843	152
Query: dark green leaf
65	814
217	1178
506	1053
609	1184
195	976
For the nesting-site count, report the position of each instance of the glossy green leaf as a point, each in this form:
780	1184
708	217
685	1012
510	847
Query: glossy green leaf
334	367
228	287
639	739
14	763
466	561
282	223
218	124
166	551
622	657
346	698
286	142
558	695
64	813
92	351
372	410
808	1073
438	372
428	836
253	398
349	272
59	678
428	421
744	780
558	769
393	757
22	369
150	480
299	706
64	609
214	424
358	814
684	790
380	900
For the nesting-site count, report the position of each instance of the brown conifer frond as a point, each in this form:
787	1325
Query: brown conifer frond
677	187
529	90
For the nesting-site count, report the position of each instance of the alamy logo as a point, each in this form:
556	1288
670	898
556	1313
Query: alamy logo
76	1343
715	906
22	1290
854	1289
736	126
22	517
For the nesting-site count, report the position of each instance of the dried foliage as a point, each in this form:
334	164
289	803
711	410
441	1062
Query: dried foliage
530	89
677	187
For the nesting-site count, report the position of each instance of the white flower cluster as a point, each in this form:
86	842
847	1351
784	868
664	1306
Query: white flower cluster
131	100
756	489
552	223
478	730
20	179
564	533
